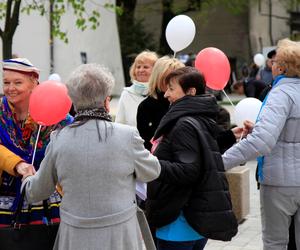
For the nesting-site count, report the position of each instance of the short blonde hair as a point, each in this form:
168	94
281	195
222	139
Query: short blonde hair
288	57
144	56
161	69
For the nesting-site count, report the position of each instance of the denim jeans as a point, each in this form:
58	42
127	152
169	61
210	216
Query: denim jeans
181	245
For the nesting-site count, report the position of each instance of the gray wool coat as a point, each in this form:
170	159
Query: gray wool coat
98	209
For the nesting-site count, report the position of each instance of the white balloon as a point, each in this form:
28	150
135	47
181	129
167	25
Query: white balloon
259	59
247	109
180	32
54	77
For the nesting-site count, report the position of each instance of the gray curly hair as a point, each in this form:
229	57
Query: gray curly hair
89	85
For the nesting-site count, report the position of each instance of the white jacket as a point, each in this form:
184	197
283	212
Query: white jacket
128	105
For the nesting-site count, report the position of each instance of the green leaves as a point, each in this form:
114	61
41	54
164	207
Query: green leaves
2	10
119	10
86	12
84	18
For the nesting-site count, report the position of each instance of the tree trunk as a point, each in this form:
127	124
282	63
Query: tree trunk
167	15
6	47
125	22
270	23
128	11
10	26
51	37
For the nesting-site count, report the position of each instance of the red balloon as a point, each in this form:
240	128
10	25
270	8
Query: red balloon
215	67
49	103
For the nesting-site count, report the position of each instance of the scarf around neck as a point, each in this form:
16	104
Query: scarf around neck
140	88
21	141
95	113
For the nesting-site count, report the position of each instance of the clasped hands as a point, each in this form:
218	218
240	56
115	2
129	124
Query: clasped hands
240	133
25	169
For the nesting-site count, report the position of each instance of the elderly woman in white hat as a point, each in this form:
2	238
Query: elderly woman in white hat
18	133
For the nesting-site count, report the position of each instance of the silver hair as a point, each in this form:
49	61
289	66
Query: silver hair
89	85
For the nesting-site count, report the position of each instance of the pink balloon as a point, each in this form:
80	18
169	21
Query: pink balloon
49	103
215	67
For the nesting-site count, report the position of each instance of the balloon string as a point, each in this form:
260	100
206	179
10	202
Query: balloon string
174	54
228	98
241	136
233	107
36	142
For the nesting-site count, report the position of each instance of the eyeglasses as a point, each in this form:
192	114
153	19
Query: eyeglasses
273	62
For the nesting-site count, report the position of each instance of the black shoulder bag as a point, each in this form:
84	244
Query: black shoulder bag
28	237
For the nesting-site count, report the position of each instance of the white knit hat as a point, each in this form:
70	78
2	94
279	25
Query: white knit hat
20	65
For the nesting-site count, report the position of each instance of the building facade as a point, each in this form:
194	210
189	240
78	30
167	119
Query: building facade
240	36
32	40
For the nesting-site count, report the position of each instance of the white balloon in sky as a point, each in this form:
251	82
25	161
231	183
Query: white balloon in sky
180	32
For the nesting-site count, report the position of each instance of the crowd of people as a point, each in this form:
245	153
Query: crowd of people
166	133
255	81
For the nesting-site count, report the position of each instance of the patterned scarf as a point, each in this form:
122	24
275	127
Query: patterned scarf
95	113
21	142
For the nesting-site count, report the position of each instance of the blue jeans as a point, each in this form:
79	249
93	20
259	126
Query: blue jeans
181	245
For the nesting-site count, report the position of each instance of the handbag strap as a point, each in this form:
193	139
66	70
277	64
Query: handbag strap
17	214
201	137
146	233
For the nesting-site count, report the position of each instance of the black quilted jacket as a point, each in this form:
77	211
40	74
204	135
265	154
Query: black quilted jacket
185	169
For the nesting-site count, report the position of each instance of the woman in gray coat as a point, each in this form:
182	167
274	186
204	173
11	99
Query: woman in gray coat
97	163
275	140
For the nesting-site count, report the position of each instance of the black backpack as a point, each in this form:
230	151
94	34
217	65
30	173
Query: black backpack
209	209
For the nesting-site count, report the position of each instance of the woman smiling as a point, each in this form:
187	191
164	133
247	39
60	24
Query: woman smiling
18	133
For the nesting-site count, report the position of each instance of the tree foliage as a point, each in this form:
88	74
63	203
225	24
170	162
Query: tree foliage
54	10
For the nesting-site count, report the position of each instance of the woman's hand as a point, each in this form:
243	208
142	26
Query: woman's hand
25	169
248	127
237	132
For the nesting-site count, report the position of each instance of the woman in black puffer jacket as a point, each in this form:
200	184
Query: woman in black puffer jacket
177	203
